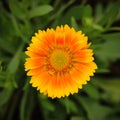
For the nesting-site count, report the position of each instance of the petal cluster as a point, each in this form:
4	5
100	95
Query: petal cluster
60	61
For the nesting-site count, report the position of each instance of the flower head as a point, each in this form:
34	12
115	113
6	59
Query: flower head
59	61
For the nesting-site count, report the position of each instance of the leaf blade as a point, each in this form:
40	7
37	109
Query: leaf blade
40	10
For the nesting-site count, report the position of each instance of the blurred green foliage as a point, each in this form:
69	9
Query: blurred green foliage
99	20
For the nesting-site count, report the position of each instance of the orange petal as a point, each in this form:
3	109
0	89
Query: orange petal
32	63
84	56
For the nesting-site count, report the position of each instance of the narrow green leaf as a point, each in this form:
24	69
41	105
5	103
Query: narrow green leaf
70	105
2	78
110	14
40	10
22	106
13	66
6	93
74	23
10	82
87	11
12	107
98	12
27	104
87	16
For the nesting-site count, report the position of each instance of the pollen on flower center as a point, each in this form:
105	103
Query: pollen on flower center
59	59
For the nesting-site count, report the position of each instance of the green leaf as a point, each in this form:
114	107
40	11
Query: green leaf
106	51
110	14
2	79
14	63
27	104
74	23
98	12
45	1
77	118
48	108
92	91
70	105
17	9
75	11
20	32
87	16
58	17
7	46
40	10
95	111
45	103
13	66
6	93
111	87
13	106
110	49
10	81
87	11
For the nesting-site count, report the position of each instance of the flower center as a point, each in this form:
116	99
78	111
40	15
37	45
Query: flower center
59	59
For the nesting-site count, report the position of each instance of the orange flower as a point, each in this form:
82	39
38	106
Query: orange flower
59	61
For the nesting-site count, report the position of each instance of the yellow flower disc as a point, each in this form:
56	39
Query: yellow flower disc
59	59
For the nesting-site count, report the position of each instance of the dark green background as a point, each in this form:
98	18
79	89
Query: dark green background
99	20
